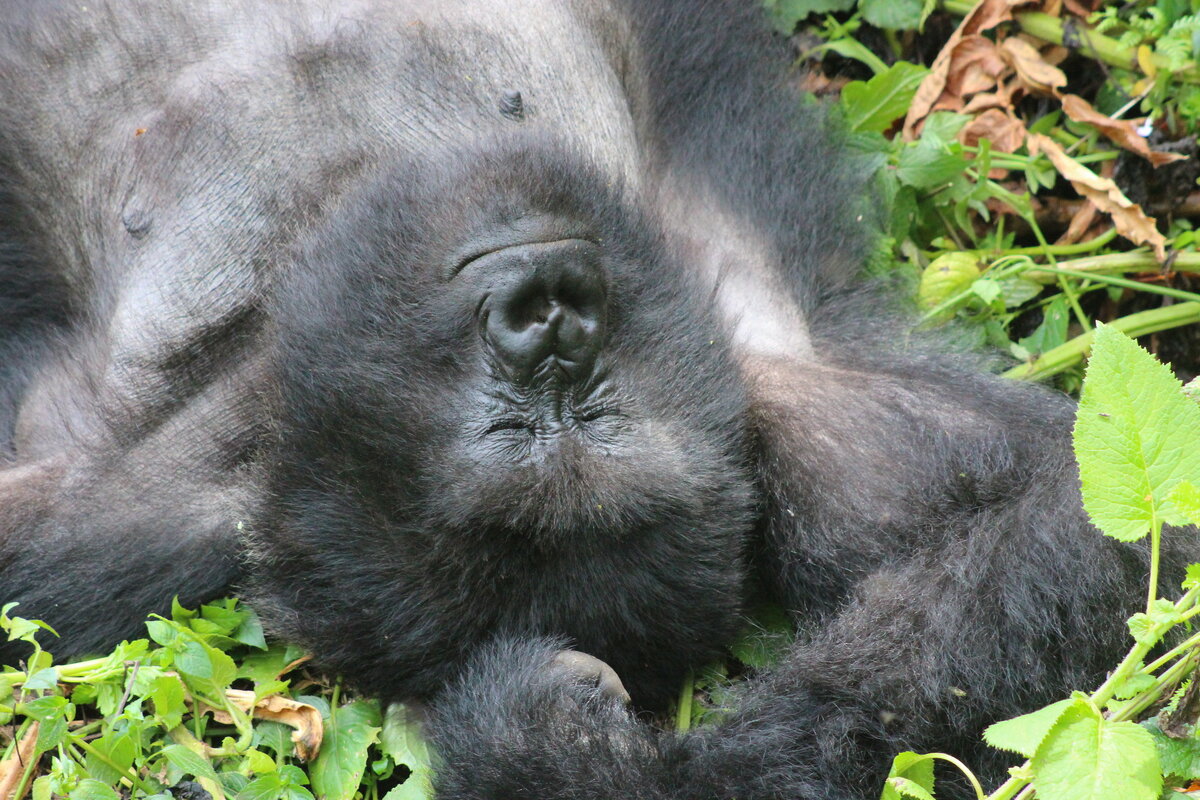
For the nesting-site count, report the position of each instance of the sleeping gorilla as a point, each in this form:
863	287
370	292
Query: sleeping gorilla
499	329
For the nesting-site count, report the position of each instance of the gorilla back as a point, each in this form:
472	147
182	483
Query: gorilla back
500	330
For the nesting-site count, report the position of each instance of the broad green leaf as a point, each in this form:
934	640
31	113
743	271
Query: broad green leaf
1086	757
111	757
205	668
349	732
1136	436
987	290
929	165
89	789
1025	733
43	679
875	104
188	762
895	15
946	276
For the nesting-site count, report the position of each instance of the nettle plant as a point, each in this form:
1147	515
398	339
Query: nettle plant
1137	440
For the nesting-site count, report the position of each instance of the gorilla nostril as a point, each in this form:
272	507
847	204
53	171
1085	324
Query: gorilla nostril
544	300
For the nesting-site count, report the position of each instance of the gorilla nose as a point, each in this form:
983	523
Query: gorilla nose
545	313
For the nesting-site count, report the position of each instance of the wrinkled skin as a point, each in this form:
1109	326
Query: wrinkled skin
455	334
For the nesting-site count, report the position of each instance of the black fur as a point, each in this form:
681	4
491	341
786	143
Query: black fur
267	284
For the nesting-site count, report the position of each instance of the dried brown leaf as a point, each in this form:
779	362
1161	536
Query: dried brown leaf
1121	132
13	767
1032	70
304	719
1004	131
984	16
1128	217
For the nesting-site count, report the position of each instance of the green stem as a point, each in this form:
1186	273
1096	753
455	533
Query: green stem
1114	280
130	776
1090	246
1133	261
683	714
1066	355
1155	547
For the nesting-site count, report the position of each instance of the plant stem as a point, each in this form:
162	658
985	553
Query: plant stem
1155	547
1064	356
1166	291
130	776
1133	261
683	714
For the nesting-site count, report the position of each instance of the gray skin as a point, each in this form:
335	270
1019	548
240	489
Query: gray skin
304	299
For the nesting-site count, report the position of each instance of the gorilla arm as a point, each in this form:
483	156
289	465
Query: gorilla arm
924	522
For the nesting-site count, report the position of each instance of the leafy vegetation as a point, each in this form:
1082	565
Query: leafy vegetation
1036	169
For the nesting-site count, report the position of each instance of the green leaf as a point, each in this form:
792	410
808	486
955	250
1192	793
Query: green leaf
1132	685
43	679
1086	757
946	276
987	290
402	740
786	13
1136	436
118	748
205	668
1177	757
893	15
1192	577
929	165
188	762
349	732
906	788
1182	506
1018	291
89	789
1025	733
875	104
1052	332
910	772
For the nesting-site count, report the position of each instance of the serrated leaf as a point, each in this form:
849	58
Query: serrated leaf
349	732
1136	436
1192	576
1183	504
875	104
1025	733
907	788
1134	684
1177	757
1086	757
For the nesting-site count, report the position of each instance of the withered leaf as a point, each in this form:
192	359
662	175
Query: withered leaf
1128	217
1121	132
1033	71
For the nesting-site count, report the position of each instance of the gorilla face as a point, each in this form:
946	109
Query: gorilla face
515	391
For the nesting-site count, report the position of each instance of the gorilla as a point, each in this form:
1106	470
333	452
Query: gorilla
503	354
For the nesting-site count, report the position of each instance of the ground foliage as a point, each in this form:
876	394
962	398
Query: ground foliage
1037	170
